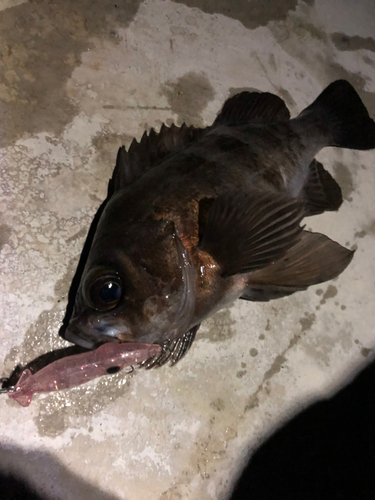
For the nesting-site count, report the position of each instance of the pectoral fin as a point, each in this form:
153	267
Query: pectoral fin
248	231
314	259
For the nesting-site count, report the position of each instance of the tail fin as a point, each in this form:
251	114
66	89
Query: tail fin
345	116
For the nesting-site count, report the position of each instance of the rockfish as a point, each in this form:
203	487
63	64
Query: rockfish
201	217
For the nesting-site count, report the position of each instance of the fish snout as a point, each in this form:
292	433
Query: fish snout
93	333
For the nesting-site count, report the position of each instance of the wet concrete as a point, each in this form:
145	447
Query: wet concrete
78	80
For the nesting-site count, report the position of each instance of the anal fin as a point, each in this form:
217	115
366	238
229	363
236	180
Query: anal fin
314	259
320	192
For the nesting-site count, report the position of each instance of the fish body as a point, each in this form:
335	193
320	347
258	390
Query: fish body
201	217
78	369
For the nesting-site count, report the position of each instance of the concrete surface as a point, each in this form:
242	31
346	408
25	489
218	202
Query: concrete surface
78	79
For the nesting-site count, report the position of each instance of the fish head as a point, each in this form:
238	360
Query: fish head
137	286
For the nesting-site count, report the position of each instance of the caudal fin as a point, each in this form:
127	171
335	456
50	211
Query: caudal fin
344	115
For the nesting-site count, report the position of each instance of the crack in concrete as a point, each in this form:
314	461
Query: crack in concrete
165	108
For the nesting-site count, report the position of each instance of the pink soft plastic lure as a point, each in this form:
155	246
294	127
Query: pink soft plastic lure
78	369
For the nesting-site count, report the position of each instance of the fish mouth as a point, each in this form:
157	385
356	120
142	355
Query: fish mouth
87	339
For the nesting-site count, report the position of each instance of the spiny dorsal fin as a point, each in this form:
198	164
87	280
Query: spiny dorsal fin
152	148
252	107
248	231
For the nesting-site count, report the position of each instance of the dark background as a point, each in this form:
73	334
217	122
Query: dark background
325	452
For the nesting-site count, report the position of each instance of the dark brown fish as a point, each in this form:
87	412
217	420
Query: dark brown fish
201	217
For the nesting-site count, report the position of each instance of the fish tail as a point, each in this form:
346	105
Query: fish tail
342	114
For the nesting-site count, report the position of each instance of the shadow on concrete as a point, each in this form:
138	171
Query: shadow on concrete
37	475
326	452
82	262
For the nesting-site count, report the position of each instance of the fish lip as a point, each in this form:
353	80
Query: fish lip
87	340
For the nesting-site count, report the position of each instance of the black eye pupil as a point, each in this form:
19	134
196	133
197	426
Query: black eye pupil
110	292
113	369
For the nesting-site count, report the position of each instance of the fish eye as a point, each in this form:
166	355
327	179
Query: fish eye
105	292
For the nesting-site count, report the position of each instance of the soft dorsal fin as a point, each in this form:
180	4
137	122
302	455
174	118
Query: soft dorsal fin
152	148
252	107
248	231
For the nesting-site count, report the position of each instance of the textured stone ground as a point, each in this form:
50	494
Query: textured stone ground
77	81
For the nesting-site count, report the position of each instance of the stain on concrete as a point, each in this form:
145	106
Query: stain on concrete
40	338
218	404
302	29
253	352
360	234
350	43
365	352
344	179
57	409
241	373
307	321
5	232
272	62
275	368
368	230
368	60
41	44
329	294
296	35
251	13
209	451
188	97
252	403
219	326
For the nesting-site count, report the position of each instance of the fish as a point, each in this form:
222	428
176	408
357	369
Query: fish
199	217
72	371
